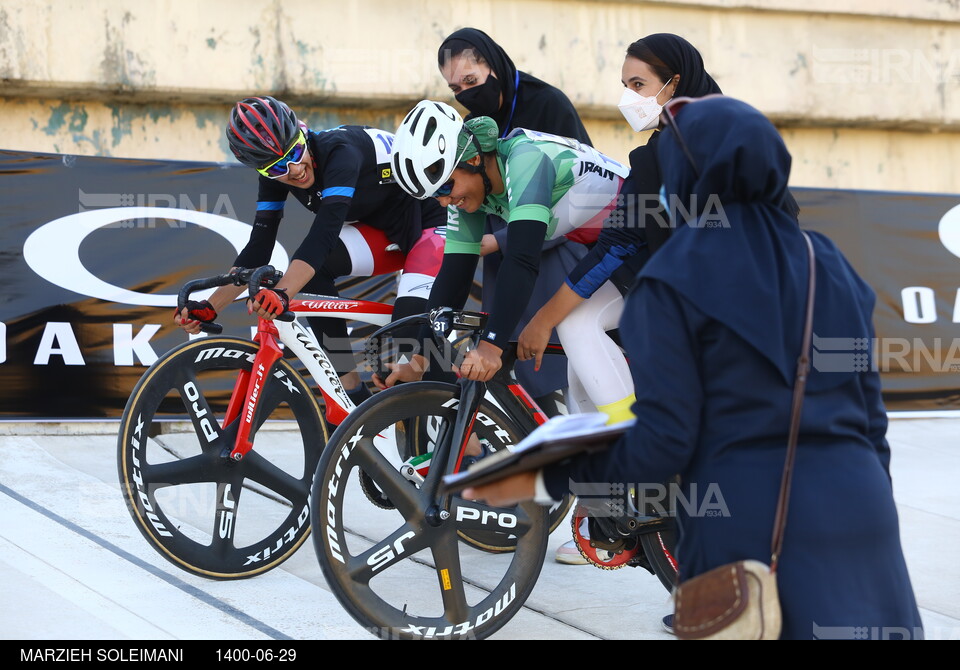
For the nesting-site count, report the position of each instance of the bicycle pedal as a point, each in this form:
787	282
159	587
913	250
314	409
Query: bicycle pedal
485	450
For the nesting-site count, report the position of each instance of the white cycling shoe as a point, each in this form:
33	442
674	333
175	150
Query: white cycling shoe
568	553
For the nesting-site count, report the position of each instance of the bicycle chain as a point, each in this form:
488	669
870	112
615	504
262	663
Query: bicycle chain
588	548
373	492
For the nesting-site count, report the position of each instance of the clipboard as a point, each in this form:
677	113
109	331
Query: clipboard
559	439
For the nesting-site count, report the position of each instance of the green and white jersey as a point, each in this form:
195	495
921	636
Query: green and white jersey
559	181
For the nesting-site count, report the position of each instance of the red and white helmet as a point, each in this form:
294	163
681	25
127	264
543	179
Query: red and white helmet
261	130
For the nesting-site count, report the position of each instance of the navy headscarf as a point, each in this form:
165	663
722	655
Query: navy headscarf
750	272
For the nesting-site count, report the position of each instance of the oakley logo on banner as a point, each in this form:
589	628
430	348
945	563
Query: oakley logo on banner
53	250
920	302
950	231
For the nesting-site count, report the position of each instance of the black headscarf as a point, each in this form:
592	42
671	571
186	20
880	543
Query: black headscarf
534	104
748	269
681	58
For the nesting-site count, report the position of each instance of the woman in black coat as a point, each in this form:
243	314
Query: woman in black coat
655	69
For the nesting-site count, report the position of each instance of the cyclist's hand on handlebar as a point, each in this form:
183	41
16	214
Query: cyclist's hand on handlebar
506	492
482	363
533	341
195	313
403	372
269	303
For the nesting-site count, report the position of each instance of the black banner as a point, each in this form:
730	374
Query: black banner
94	250
906	246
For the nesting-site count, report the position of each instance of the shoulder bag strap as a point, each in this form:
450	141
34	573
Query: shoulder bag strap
799	385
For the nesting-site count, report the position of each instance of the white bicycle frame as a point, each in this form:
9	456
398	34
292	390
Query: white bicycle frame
292	334
305	346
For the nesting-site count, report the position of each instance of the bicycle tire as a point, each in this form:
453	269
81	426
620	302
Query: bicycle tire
394	572
659	548
205	513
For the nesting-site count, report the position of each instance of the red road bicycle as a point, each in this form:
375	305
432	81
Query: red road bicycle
227	496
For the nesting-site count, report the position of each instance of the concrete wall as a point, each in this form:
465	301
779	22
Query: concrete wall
866	93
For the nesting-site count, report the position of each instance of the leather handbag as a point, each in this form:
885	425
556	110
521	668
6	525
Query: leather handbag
740	600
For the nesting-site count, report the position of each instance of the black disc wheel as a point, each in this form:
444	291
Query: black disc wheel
403	570
206	513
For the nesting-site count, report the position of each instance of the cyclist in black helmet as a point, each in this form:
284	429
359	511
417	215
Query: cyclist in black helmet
364	223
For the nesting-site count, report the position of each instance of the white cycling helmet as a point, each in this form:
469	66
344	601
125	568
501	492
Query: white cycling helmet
425	148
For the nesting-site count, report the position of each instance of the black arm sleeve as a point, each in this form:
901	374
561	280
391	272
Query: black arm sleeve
340	174
451	288
263	236
515	279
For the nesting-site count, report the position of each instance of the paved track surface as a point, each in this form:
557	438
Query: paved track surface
74	567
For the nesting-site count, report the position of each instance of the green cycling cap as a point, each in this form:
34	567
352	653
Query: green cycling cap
484	129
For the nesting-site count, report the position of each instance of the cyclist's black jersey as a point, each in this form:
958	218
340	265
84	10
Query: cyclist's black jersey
352	182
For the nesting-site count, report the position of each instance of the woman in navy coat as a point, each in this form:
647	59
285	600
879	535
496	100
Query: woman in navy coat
713	329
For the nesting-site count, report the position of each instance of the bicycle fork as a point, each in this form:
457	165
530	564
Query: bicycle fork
416	468
471	393
247	390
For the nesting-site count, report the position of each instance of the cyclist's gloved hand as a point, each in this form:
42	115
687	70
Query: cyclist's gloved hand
274	301
200	310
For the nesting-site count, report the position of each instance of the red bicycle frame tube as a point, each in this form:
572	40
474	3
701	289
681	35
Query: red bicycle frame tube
538	414
466	438
246	391
335	413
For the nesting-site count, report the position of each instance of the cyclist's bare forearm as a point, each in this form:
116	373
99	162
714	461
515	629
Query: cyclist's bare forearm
224	295
559	306
296	277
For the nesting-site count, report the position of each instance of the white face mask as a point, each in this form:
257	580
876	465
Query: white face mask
641	112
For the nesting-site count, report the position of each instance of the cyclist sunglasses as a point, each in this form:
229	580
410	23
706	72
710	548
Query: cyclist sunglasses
293	156
447	187
444	190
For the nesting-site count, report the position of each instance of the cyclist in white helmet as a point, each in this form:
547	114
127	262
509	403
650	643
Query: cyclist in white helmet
543	186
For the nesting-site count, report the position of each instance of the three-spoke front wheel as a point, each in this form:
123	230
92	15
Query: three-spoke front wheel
205	513
402	569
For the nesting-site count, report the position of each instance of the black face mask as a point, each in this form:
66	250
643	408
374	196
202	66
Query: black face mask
483	99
